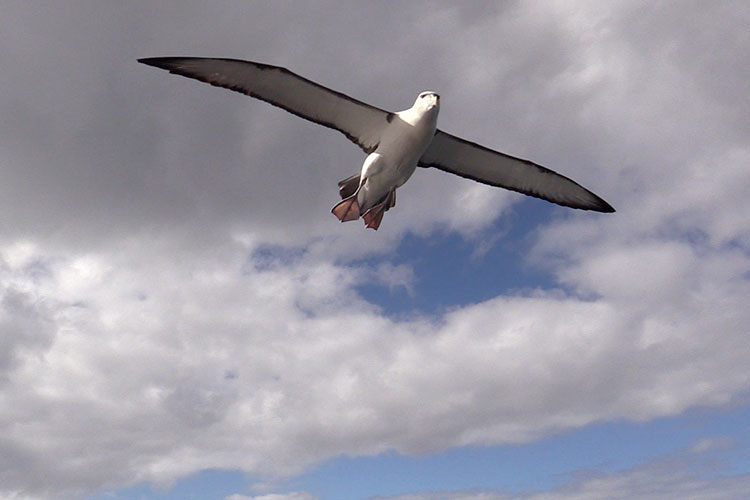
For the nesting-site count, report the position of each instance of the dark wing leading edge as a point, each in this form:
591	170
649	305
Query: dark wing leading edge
467	159
360	122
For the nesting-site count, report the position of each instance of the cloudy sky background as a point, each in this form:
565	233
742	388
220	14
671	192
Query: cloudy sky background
182	317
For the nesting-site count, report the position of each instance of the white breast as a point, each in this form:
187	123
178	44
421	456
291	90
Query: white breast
405	140
402	144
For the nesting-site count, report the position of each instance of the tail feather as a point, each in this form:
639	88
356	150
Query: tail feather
348	186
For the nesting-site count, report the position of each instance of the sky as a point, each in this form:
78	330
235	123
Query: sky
181	317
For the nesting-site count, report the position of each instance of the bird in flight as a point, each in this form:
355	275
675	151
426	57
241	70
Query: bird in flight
395	142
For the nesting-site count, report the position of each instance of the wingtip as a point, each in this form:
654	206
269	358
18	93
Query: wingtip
157	62
604	207
151	61
160	62
594	203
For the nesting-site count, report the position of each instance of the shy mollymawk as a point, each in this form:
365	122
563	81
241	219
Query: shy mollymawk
395	143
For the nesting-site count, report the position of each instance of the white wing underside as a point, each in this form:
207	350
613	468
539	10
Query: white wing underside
364	125
467	159
361	123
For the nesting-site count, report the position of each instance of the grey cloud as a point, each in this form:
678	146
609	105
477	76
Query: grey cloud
97	146
135	206
26	329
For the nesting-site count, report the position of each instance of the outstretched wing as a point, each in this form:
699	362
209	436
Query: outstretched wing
360	122
467	159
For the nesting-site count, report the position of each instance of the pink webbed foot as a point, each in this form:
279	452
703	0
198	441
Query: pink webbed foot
347	209
374	216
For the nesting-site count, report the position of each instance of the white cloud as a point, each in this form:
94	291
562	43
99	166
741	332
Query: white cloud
158	366
709	444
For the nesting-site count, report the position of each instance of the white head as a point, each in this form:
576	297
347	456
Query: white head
427	101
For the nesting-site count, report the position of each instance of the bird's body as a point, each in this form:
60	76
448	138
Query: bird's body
395	159
396	143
